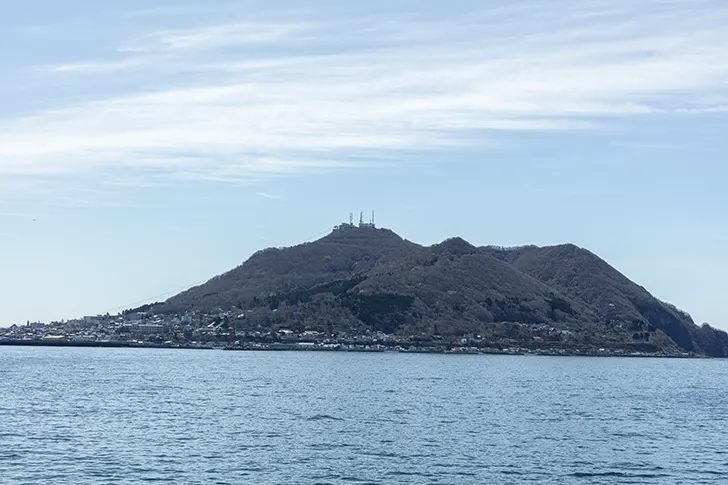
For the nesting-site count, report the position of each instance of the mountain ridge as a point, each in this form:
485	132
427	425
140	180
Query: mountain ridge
357	280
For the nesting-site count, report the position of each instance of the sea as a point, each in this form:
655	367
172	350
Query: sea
139	416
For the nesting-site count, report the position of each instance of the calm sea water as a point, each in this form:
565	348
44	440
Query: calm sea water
132	416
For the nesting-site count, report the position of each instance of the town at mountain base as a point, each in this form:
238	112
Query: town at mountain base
364	281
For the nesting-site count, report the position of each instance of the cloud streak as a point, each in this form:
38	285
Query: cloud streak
218	36
257	99
266	195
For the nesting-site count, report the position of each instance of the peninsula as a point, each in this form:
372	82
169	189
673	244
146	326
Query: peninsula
365	288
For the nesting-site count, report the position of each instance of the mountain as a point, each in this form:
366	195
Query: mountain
616	301
358	280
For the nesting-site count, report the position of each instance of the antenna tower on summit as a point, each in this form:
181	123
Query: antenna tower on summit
362	224
366	225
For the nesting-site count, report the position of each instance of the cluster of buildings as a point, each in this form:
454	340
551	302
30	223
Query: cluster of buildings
128	327
218	330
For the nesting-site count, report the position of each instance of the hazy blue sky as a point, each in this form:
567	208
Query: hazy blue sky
146	146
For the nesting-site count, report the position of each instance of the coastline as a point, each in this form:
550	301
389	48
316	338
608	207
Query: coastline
106	343
298	347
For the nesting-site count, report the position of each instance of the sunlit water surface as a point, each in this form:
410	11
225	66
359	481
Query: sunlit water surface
132	416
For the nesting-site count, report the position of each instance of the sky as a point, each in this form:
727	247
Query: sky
146	146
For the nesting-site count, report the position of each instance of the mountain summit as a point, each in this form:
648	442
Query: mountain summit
360	280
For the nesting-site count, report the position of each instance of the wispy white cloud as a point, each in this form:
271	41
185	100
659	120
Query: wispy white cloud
135	183
217	36
166	11
102	66
266	195
252	100
24	215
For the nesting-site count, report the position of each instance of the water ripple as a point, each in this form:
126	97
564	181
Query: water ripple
132	416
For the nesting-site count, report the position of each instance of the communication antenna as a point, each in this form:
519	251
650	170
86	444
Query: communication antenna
372	218
351	218
361	218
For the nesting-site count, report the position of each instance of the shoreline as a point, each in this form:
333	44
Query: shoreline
358	349
468	351
99	344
